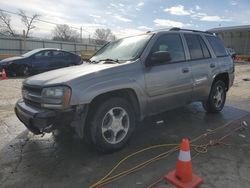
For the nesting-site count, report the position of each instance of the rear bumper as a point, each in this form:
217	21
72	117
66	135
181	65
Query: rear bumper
38	120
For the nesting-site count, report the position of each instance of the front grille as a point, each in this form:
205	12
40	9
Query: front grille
32	95
32	103
32	89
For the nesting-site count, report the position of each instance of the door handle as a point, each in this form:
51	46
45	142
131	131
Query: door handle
185	70
212	65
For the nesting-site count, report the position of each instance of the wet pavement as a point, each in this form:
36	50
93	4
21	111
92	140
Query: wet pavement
62	161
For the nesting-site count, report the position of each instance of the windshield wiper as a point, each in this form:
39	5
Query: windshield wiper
110	60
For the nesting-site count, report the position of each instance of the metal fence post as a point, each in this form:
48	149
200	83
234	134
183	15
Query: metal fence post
20	46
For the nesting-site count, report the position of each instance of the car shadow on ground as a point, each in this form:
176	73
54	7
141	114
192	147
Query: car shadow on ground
65	161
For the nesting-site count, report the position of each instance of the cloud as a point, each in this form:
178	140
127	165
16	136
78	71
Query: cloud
214	19
94	16
108	12
124	32
209	18
234	2
145	28
140	4
177	10
197	7
113	5
121	18
121	5
168	23
181	11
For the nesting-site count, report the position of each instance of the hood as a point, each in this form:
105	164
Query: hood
12	59
66	75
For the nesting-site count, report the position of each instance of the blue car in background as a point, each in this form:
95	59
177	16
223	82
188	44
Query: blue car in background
38	61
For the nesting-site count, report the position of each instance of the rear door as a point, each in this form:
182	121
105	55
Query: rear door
202	64
57	60
168	84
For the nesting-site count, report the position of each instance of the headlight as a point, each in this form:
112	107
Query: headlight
56	97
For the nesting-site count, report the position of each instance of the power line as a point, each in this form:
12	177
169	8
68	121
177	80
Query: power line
48	22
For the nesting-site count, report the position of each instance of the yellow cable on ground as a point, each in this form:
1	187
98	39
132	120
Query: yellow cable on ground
200	149
105	178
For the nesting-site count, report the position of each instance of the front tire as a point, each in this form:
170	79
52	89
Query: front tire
217	98
112	124
24	70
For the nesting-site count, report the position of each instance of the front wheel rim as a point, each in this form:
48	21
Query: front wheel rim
115	125
218	97
25	71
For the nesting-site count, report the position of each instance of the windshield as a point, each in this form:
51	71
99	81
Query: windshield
123	49
30	53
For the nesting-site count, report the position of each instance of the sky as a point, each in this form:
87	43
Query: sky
128	17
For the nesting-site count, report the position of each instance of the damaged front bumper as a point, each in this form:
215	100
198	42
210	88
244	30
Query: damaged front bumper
39	120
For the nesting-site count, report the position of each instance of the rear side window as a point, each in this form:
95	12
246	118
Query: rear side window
194	46
171	43
58	54
205	50
217	46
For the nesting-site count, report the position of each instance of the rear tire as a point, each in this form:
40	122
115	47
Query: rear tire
217	98
112	124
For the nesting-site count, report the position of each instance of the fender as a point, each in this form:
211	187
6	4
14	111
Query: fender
86	95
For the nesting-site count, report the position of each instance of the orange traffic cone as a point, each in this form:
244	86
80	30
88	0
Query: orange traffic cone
182	176
4	76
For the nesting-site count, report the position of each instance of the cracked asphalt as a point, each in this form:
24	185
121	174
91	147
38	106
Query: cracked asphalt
61	161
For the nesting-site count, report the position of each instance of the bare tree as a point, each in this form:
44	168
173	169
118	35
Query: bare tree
103	35
64	33
28	21
5	24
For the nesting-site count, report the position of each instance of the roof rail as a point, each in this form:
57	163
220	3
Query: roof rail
191	30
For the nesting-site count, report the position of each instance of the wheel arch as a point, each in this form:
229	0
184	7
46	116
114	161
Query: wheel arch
127	93
223	77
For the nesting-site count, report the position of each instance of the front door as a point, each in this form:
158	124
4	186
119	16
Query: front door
168	84
41	61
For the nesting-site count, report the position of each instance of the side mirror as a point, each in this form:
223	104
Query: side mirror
158	58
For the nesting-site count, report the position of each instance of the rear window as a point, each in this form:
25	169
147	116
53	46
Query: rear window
217	46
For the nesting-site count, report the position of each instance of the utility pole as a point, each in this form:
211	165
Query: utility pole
81	34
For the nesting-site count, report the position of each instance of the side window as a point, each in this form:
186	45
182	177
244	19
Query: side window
66	54
43	54
171	43
194	46
39	54
57	53
217	46
205	50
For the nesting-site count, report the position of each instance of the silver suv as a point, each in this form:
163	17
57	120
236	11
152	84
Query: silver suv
125	81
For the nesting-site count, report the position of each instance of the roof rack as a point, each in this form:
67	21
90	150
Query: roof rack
191	30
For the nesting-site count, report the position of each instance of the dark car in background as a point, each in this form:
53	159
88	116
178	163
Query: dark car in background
39	60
